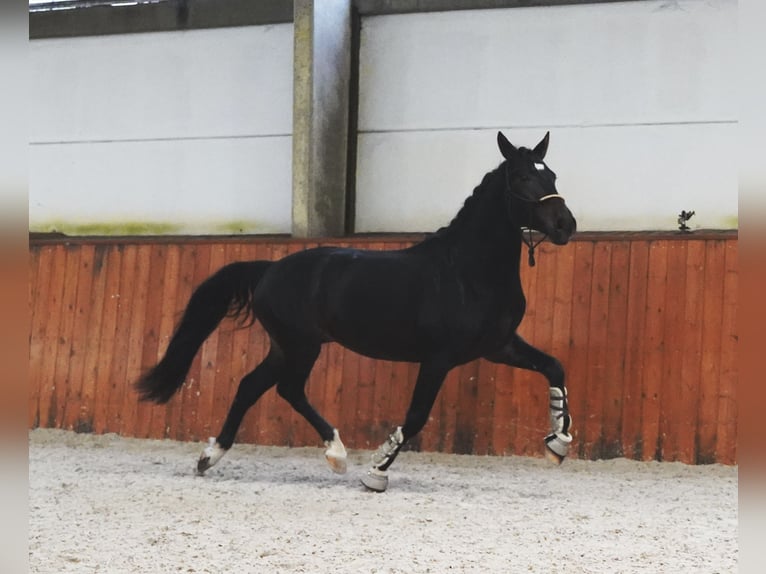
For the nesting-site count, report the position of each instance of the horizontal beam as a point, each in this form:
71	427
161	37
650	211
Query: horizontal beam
99	17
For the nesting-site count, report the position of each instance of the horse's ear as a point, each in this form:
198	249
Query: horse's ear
506	147
542	148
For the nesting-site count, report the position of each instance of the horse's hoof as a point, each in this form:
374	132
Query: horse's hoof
552	456
557	446
336	454
203	464
375	480
337	465
210	455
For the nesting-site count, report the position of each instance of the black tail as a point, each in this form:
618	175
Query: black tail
228	292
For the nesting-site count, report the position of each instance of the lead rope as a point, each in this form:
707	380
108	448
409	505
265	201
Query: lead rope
531	246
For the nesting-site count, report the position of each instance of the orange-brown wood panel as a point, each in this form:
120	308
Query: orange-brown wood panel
613	387
465	421
653	351
562	307
635	347
179	406
726	450
104	381
691	353
485	404
73	407
127	301
645	327
41	258
168	316
62	338
149	338
136	337
675	290
91	343
710	348
578	385
598	351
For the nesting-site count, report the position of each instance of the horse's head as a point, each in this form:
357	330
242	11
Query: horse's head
530	191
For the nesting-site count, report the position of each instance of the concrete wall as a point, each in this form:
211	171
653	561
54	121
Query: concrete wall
173	132
638	96
190	131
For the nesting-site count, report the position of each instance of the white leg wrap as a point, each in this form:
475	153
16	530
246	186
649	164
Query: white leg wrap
557	410
336	453
559	440
388	448
211	454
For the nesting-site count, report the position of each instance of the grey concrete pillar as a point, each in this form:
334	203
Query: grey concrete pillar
320	116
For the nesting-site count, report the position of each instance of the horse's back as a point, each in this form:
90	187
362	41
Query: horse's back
373	302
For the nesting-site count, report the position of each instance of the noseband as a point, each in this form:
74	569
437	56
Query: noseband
528	240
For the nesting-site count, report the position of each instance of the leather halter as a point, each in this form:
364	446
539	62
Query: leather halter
528	240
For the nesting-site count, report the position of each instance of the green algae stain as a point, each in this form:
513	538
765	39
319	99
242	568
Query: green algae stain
108	229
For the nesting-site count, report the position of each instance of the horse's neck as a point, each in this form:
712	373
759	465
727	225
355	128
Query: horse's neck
485	239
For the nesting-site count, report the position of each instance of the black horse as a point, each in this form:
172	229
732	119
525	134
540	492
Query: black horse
450	299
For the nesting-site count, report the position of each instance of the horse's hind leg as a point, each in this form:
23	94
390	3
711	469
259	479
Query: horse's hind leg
430	379
292	388
251	387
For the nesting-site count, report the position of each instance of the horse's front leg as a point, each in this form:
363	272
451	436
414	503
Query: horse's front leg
518	353
429	381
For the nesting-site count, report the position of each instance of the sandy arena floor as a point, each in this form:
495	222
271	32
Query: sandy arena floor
112	505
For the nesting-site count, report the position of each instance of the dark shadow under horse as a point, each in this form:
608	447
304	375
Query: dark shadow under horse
450	299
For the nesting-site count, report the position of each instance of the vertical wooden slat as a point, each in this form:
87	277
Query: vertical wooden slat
466	414
726	451
92	342
654	350
597	351
686	410
446	424
485	393
40	320
158	424
64	340
133	359
613	383
675	289
148	340
113	266
504	416
710	349
579	340
33	391
83	308
562	307
635	334
127	300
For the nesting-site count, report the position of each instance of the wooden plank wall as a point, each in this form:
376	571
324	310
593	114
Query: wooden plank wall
645	326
